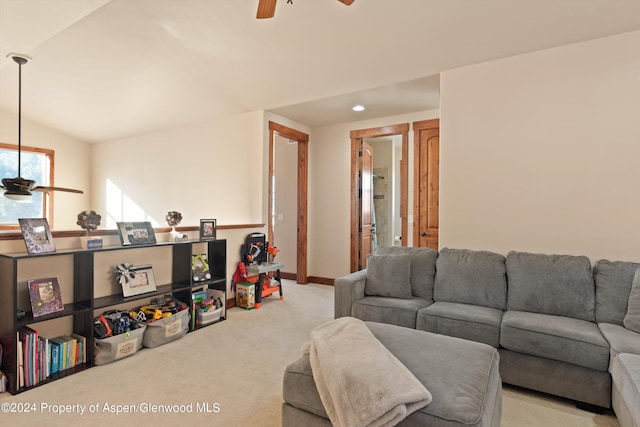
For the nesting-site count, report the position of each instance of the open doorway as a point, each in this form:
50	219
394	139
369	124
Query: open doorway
278	135
363	188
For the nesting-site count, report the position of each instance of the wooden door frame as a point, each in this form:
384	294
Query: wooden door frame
303	167
417	128
356	136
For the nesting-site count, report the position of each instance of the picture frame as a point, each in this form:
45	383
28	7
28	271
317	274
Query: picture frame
37	235
208	229
135	279
200	268
136	233
45	296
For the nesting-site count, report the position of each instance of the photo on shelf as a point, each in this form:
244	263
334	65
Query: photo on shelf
136	233
135	280
200	268
45	296
207	229
37	235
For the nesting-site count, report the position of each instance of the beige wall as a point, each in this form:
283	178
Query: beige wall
72	165
539	152
210	170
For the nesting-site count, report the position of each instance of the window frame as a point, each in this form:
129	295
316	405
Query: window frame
47	196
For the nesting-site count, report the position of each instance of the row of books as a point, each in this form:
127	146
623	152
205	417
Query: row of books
41	357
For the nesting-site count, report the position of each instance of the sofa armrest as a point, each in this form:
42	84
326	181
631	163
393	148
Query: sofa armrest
348	289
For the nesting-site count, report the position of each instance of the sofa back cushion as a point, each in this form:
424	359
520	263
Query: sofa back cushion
388	276
423	267
613	284
560	285
471	277
632	318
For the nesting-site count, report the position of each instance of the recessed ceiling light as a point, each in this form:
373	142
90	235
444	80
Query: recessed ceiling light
358	108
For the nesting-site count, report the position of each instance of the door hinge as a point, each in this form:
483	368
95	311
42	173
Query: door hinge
360	153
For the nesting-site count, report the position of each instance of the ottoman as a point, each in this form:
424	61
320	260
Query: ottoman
625	372
462	377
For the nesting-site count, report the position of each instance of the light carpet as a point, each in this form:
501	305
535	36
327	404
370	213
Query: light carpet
229	374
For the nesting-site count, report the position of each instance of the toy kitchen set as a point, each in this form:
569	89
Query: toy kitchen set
258	261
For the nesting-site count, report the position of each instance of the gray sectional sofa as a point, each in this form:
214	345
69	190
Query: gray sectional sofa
560	325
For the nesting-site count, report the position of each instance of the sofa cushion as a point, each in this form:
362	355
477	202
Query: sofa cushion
388	276
632	318
471	277
554	337
470	322
613	284
620	339
560	285
423	267
625	372
395	311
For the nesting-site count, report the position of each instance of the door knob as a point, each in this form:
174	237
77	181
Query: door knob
423	234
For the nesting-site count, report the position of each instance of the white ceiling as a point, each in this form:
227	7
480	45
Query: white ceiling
107	69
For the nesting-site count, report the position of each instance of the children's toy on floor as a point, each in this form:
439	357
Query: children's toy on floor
245	295
258	258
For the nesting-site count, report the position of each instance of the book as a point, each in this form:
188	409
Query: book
82	348
55	356
44	355
196	297
30	357
45	296
20	360
72	345
60	360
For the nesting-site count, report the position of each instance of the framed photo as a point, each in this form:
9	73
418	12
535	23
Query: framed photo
37	235
135	280
207	229
200	268
136	233
45	296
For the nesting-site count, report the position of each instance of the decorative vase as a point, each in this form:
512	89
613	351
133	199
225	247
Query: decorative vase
174	236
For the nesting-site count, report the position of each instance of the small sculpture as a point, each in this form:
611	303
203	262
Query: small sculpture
173	218
88	220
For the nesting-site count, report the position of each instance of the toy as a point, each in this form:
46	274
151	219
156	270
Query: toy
240	275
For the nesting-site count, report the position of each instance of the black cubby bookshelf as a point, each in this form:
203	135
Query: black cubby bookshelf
81	309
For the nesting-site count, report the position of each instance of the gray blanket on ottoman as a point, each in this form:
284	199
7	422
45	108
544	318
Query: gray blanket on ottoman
360	382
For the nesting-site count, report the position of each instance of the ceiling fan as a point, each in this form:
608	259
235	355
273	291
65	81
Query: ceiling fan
267	8
19	188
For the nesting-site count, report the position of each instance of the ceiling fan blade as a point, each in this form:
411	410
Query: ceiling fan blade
347	2
47	189
266	9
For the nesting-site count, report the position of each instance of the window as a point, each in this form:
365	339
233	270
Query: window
37	164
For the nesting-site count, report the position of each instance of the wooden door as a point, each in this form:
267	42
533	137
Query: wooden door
427	183
366	203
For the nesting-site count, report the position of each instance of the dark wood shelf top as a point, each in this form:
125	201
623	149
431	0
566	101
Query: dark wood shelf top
73	251
69	310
